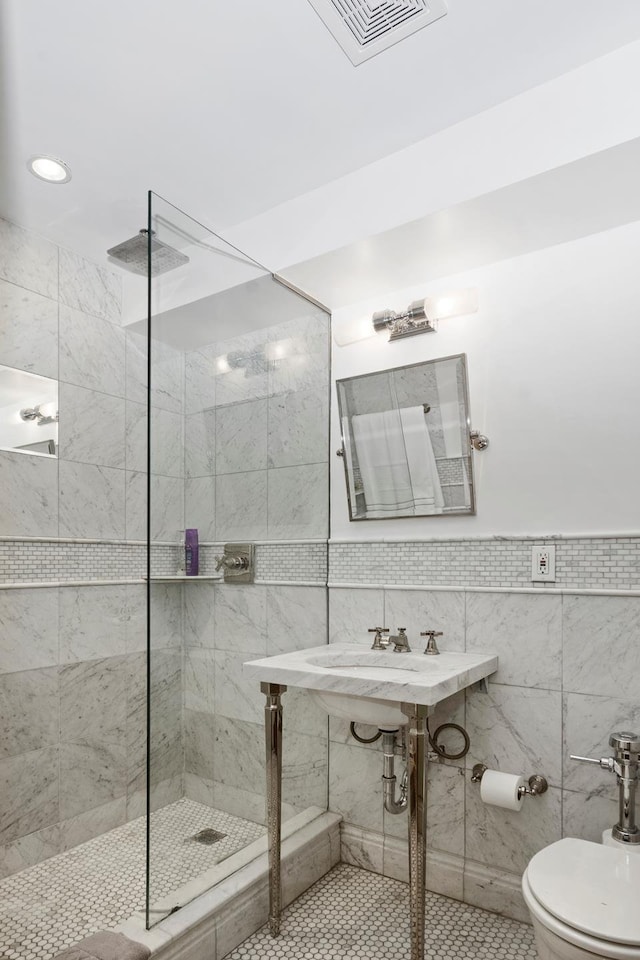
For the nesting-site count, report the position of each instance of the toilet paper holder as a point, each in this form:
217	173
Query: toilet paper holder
537	784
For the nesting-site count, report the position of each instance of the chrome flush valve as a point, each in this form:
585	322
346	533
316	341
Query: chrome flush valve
625	763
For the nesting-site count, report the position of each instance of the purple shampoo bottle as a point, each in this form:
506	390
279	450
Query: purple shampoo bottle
191	552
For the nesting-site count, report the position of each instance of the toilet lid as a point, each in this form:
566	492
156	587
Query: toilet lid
590	887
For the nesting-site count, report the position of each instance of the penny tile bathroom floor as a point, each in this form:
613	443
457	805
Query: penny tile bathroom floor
100	883
354	915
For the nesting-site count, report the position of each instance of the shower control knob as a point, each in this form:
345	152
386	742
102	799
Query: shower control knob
232	563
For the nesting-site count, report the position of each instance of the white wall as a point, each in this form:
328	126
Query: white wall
579	113
553	358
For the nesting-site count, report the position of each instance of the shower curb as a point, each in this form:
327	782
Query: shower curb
217	921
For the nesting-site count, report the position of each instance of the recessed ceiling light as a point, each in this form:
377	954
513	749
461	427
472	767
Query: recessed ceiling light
49	169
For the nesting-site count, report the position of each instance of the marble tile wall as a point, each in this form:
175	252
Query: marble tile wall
72	658
257	433
224	737
256	468
566	680
73	713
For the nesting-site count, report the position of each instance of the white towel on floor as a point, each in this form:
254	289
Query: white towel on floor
105	945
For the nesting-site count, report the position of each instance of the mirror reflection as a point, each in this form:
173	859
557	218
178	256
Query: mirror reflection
406	446
28	413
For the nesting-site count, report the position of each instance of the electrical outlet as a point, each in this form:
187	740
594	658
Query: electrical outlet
543	564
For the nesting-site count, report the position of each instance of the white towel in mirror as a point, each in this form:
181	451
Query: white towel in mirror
425	482
397	464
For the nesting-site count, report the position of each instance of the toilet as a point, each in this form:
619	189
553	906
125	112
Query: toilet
584	901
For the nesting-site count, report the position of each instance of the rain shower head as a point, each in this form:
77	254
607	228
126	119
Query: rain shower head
134	255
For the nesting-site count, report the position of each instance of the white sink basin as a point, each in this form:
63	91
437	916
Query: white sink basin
368	686
383	714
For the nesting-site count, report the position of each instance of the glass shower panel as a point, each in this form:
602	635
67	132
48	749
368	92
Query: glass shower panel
237	421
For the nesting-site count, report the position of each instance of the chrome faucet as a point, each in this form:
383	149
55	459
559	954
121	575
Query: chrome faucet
431	648
400	641
379	642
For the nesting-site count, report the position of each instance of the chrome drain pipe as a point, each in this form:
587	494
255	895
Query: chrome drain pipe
389	780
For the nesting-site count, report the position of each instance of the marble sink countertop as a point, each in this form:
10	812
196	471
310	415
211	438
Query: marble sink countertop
354	670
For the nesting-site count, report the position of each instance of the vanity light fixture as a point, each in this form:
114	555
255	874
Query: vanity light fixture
421	316
42	413
413	321
49	168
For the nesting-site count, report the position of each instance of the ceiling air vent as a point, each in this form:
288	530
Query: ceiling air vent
364	28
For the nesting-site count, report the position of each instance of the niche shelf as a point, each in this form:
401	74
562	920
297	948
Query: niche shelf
183	578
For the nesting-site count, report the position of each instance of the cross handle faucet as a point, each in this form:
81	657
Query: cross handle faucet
378	642
399	641
431	648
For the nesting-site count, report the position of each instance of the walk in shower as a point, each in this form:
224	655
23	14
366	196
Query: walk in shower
132	749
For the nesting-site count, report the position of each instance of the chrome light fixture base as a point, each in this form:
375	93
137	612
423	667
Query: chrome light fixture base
410	328
408	324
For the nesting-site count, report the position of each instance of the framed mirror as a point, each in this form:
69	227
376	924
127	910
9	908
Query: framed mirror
406	441
28	413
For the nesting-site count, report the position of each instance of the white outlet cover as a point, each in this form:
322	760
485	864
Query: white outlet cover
543	564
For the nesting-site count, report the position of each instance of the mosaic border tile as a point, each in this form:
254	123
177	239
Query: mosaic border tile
59	561
603	563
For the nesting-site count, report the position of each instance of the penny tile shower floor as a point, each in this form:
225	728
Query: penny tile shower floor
100	883
354	915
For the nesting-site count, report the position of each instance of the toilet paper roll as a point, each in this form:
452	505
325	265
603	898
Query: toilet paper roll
502	789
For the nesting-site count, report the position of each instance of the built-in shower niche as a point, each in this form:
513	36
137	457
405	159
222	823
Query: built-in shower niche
28	413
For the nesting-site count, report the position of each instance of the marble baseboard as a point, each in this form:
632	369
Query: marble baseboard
451	876
217	921
494	890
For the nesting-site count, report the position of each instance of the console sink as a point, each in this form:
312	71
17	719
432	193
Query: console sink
368	686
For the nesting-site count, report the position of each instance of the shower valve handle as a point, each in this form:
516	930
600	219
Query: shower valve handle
232	563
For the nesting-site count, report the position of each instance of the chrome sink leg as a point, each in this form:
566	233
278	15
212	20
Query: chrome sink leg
273	743
417	770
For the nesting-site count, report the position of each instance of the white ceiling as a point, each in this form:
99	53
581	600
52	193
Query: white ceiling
229	109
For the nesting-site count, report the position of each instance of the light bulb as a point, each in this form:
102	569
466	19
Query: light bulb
454	304
352	331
